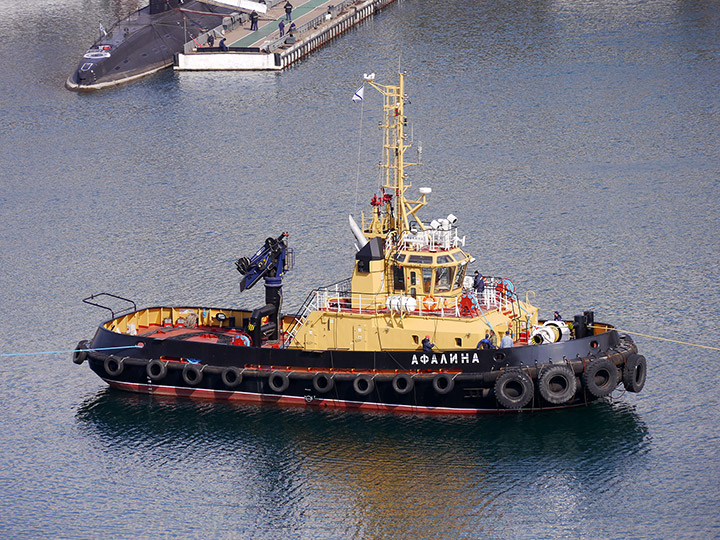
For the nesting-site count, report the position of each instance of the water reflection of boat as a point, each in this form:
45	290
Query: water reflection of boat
601	431
399	335
375	469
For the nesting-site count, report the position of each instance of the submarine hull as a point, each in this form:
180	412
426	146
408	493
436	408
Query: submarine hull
143	43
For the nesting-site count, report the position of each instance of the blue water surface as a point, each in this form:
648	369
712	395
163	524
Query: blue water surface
576	141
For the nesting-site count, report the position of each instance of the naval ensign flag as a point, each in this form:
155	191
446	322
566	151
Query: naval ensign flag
359	94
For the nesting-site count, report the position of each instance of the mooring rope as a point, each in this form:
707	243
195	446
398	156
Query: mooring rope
72	350
662	338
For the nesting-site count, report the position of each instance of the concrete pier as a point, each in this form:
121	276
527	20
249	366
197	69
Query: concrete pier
316	23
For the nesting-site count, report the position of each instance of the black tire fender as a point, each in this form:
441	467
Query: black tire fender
363	384
114	366
600	377
278	381
634	373
443	383
192	374
156	370
403	383
514	389
80	353
557	383
323	382
231	377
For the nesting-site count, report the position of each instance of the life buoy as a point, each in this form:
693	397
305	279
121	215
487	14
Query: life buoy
80	354
278	381
513	389
403	383
323	382
634	373
363	384
557	384
192	374
443	383
231	377
114	366
156	369
600	377
429	303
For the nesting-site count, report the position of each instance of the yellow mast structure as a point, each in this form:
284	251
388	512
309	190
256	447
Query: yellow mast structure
397	217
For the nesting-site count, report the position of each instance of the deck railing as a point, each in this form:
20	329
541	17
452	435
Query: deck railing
498	295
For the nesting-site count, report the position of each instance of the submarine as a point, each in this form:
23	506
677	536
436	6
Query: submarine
144	42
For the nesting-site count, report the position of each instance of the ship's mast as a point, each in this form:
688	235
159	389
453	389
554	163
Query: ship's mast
394	147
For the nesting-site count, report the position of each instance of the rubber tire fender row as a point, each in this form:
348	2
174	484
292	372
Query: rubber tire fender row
363	384
192	374
114	366
403	383
156	370
443	383
80	353
634	373
231	377
323	382
514	389
600	377
278	381
557	383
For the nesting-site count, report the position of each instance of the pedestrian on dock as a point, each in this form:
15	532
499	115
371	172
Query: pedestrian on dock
253	20
211	40
288	11
281	27
222	45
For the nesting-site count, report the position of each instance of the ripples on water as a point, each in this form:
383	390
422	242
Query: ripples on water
366	474
577	143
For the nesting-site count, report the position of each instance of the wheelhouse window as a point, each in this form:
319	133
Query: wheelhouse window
420	259
443	278
460	276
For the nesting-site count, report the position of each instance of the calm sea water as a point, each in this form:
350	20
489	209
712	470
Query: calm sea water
577	142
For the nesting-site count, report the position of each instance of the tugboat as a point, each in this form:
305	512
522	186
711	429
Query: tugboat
405	333
143	43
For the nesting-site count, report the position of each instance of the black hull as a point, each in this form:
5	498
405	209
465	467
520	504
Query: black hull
457	382
141	44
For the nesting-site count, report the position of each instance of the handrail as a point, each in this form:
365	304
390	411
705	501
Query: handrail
333	11
93	296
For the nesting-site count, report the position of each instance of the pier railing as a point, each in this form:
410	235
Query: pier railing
333	11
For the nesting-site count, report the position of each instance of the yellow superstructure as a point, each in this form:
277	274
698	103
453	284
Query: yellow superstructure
409	276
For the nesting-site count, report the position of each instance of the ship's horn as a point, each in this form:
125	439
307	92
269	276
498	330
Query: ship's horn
357	232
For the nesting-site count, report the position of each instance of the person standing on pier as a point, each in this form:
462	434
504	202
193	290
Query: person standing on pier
223	47
288	11
253	20
281	27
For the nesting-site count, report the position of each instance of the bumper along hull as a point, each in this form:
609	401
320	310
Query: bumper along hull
523	378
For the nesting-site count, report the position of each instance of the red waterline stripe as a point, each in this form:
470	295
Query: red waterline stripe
250	397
